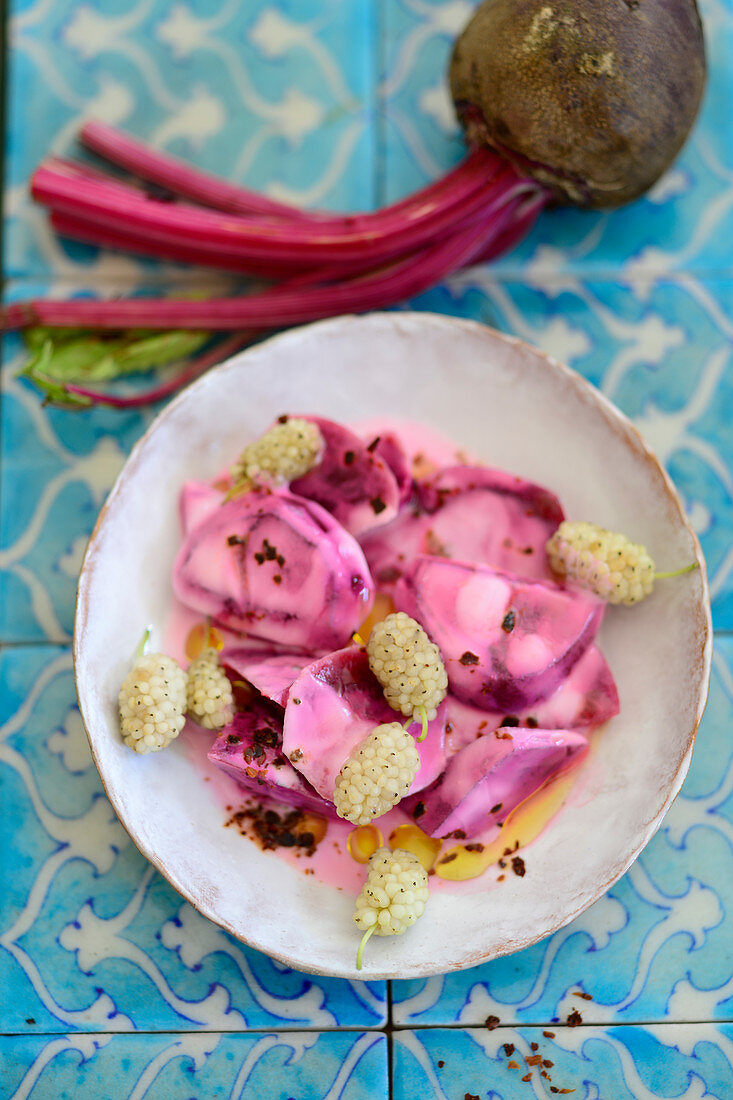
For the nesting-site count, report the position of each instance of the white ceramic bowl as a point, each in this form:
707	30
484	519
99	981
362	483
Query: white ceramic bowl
515	408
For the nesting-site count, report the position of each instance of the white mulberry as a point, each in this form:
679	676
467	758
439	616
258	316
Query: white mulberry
408	666
393	896
288	450
378	775
209	696
607	563
152	703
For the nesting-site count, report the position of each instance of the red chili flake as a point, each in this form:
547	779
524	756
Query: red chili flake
533	1059
509	1049
527	1077
534	1046
509	621
574	1019
549	1034
470	1096
371	447
585	996
378	505
283	419
506	736
518	866
501	878
468	658
547	1063
349	458
277	579
512	1065
544	1073
492	1022
250	772
441	1063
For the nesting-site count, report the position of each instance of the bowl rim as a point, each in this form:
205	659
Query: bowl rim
619	421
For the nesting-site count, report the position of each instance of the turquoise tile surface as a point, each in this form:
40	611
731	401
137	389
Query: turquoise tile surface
285	1066
603	1063
112	985
277	95
91	937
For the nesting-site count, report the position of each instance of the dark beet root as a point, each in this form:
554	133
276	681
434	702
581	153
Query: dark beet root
592	97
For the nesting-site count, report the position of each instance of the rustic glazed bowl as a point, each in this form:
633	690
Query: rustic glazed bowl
513	407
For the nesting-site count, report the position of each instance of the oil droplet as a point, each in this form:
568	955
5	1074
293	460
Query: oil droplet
383	607
414	840
523	825
363	842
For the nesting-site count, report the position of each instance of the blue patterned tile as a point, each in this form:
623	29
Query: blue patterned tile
658	946
91	937
662	350
613	1063
686	220
286	1066
277	95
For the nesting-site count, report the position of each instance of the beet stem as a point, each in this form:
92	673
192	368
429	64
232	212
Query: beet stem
290	303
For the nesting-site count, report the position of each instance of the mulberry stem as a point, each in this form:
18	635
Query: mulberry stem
677	572
423	715
363	944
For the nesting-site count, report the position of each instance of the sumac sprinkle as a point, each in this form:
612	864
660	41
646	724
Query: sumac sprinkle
585	996
469	658
534	1046
534	1060
270	550
510	720
449	858
495	809
509	1049
474	847
507	623
419	810
441	1064
470	1096
547	1063
235	540
277	579
260	558
373	445
378	505
296	755
349	458
518	866
283	419
574	1019
305	840
549	1034
532	723
233	739
512	1065
492	1022
527	1077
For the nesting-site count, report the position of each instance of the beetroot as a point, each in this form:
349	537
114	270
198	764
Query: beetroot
249	749
506	643
587	698
351	481
389	448
471	513
277	568
592	97
490	777
332	706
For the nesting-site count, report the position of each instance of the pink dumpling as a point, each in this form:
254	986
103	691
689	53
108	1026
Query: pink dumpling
197	500
506	643
469	513
587	698
272	674
277	568
351	481
249	750
332	706
490	777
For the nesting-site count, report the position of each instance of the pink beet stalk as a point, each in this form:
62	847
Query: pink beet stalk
285	305
379	236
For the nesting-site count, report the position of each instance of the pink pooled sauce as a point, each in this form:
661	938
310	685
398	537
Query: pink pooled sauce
288	575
